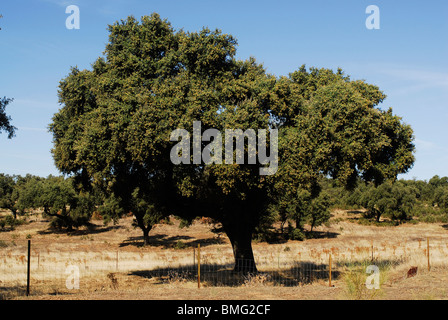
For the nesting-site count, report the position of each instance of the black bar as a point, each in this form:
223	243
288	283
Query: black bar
278	309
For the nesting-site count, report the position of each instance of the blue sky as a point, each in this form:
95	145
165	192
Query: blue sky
406	58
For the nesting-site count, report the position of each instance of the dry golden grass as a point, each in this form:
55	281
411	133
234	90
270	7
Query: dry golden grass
114	265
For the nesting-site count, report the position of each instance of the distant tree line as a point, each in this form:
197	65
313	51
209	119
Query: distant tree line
69	207
396	202
57	197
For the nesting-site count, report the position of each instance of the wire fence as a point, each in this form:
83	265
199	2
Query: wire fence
38	268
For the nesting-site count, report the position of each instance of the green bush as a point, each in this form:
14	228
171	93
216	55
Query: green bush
296	234
10	222
180	245
355	276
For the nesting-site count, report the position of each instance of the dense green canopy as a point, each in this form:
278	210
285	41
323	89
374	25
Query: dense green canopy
113	130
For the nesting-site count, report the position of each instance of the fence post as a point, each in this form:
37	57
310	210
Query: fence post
199	265
329	276
28	269
427	252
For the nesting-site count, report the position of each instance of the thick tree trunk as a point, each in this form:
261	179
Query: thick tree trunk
241	239
378	216
146	236
64	217
144	228
14	213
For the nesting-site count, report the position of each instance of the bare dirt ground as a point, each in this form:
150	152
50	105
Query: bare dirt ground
121	259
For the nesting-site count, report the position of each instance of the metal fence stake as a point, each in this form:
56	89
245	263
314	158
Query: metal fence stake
116	264
199	265
28	269
429	265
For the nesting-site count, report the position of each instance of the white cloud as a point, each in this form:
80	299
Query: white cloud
430	148
411	79
423	145
417	79
62	3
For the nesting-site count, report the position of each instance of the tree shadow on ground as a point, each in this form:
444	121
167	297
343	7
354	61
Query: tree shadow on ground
355	212
279	238
171	242
300	273
321	235
89	230
12	292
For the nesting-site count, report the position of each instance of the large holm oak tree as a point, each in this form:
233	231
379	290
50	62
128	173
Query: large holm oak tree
114	127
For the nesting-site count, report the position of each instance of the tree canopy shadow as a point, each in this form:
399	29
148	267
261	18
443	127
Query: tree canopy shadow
12	292
355	211
223	275
280	238
89	230
321	235
170	242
